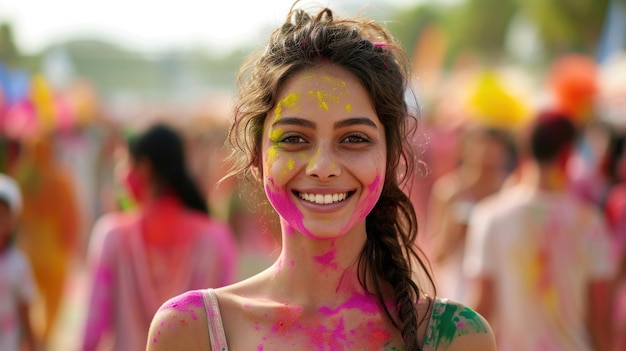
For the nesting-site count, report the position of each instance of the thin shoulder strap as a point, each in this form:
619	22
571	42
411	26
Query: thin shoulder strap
432	332
214	319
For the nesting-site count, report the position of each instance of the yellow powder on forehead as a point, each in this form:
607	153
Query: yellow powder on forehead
338	83
348	107
323	97
320	101
288	101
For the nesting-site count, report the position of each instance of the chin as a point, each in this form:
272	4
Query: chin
319	231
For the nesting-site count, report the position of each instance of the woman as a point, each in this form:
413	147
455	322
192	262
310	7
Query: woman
167	245
321	121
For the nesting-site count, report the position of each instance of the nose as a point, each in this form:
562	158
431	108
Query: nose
323	165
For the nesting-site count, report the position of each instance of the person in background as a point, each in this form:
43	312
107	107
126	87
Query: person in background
539	256
167	244
17	285
321	122
485	162
49	227
615	213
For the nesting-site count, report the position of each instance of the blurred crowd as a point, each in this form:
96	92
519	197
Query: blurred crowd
474	121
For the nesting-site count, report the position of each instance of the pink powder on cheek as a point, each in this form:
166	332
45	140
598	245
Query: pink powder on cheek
285	207
368	203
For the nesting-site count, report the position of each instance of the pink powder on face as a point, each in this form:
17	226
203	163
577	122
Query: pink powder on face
326	260
366	206
185	302
286	208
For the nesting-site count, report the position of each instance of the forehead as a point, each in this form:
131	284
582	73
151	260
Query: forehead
329	78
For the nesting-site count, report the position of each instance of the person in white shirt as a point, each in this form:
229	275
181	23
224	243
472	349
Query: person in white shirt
539	256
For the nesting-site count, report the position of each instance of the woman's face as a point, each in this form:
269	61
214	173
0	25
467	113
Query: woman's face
324	153
129	174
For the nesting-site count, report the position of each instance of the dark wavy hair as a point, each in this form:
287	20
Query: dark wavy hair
162	146
370	53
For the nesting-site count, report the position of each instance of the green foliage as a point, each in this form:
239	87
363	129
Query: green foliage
9	53
479	27
568	25
409	23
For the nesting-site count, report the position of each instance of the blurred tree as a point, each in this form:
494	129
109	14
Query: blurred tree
479	28
9	52
474	27
409	23
568	25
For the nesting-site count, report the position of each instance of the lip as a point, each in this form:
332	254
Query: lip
335	194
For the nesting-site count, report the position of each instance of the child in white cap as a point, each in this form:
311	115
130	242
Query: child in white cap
17	288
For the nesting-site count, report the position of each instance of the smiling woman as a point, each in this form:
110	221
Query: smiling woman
320	121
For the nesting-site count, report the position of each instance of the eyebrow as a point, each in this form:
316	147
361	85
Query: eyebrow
339	124
355	121
294	122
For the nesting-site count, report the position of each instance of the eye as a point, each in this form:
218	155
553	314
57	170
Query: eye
356	138
292	139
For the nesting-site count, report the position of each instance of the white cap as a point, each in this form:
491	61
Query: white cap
10	192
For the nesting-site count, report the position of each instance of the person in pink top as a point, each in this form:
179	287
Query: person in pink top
164	246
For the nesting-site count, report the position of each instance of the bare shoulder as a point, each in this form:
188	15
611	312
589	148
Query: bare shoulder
180	324
456	327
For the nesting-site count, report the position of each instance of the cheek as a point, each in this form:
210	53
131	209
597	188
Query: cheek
277	171
370	198
283	204
279	166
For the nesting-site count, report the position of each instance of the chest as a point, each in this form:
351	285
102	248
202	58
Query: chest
343	331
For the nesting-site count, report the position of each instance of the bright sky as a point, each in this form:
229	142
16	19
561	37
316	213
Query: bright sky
149	25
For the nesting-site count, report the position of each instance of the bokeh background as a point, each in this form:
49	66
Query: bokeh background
78	77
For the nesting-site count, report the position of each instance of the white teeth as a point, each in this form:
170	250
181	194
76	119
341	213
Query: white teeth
323	199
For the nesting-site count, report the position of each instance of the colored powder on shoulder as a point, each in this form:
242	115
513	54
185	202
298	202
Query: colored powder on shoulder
186	302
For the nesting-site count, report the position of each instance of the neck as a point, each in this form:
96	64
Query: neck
545	177
161	203
320	272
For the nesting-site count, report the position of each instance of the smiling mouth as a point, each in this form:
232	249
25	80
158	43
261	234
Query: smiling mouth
324	199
